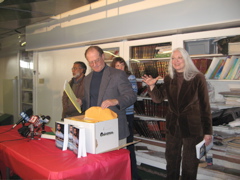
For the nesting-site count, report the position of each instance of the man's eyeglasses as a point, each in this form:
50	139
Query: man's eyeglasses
75	68
94	62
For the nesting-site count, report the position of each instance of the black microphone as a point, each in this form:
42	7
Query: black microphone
44	120
25	117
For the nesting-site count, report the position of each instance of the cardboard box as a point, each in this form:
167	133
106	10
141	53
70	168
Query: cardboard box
233	48
101	136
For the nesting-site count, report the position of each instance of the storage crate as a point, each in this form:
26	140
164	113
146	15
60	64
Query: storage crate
206	46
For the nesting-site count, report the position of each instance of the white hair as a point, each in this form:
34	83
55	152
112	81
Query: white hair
190	70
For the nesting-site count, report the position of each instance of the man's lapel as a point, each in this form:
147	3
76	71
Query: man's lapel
104	84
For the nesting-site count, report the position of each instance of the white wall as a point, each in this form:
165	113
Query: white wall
9	74
55	67
113	20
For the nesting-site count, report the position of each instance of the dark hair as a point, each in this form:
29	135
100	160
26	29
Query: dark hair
97	48
83	66
120	60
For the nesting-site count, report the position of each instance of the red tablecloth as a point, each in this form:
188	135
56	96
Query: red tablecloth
41	159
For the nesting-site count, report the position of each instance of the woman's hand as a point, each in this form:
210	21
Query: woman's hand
208	139
150	81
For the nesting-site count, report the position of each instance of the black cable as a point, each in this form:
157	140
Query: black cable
13	140
6	131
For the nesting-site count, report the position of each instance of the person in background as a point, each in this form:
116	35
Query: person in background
188	120
120	63
107	87
78	71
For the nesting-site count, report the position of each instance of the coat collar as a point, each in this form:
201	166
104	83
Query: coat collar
179	99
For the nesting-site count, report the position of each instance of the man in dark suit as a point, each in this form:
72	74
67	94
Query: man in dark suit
108	87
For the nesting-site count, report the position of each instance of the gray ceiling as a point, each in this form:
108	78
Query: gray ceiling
15	15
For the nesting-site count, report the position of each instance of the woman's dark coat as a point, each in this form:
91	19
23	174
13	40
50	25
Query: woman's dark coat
190	110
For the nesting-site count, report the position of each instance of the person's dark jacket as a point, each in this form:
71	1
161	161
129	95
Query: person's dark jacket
114	85
68	107
190	110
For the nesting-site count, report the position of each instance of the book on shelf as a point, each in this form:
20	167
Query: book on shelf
139	107
202	64
231	97
232	72
163	51
153	68
212	67
230	93
61	135
237	75
217	70
79	141
137	127
144	128
233	147
228	64
149	108
143	52
202	149
232	100
153	129
236	70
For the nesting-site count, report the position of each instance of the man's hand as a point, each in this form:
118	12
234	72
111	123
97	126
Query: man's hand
109	102
79	101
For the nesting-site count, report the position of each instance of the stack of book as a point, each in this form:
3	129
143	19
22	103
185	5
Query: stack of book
153	68
70	137
231	97
153	129
224	68
233	147
143	52
161	50
149	108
